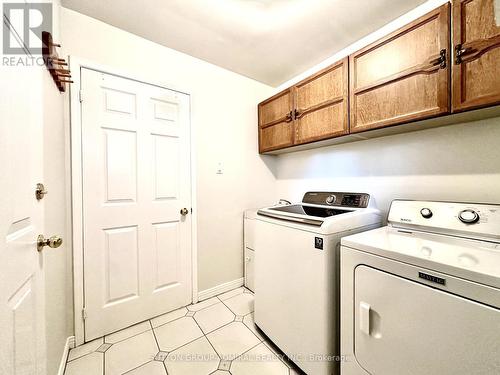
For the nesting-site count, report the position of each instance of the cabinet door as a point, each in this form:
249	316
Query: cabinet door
403	77
321	105
476	69
275	122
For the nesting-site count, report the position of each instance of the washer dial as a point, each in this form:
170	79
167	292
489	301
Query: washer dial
331	199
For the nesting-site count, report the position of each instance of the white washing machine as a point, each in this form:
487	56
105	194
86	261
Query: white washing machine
422	295
297	273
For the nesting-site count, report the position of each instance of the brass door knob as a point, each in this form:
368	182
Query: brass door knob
53	242
40	191
184	211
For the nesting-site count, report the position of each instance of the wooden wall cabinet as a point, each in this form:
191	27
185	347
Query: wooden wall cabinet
276	122
403	77
321	109
312	110
416	73
476	65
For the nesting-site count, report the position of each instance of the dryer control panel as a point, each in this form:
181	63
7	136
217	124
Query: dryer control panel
470	220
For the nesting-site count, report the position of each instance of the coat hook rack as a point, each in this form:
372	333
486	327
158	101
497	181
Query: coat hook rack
56	66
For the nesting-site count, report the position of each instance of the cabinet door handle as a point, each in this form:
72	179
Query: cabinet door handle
364	317
289	116
441	60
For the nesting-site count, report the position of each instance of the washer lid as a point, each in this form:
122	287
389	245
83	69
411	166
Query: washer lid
472	260
309	210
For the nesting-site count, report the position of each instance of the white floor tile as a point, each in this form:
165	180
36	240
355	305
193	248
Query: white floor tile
203	304
172	335
151	368
127	332
242	304
213	317
220	372
260	360
249	322
84	349
89	365
195	358
231	293
168	317
130	353
232	340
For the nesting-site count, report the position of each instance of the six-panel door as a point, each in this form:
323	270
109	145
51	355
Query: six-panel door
275	122
22	217
321	109
404	76
136	179
476	65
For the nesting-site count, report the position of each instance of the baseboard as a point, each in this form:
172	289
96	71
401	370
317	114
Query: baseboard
221	288
70	343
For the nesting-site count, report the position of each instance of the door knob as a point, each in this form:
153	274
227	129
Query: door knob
184	211
40	191
53	242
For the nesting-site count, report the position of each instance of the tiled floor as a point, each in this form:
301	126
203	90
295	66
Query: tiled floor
216	336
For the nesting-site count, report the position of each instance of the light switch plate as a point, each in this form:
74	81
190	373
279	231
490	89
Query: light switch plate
220	169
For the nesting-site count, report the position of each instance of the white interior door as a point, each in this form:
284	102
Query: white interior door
136	180
22	309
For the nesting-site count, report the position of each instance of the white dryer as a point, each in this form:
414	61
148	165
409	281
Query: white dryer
297	273
422	295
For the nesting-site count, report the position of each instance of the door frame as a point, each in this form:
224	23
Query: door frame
74	140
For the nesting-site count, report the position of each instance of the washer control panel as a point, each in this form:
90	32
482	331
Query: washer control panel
358	200
472	220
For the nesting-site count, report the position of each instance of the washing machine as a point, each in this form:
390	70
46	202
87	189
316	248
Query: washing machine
297	273
422	294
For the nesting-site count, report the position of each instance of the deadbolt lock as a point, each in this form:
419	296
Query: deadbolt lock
184	211
52	242
40	191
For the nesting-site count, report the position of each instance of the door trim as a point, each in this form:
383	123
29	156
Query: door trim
74	139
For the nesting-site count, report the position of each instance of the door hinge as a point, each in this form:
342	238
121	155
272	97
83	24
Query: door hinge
84	314
80	95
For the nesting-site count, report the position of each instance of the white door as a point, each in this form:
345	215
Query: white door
403	327
136	181
22	317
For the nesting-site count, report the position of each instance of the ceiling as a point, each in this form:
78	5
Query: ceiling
268	40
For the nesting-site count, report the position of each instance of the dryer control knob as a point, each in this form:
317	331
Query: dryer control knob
426	213
468	216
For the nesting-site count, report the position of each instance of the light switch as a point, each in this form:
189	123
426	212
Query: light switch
220	168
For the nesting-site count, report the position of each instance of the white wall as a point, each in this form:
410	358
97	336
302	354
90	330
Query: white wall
57	262
224	118
459	162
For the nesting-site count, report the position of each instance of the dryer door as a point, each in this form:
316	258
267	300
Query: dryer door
403	327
